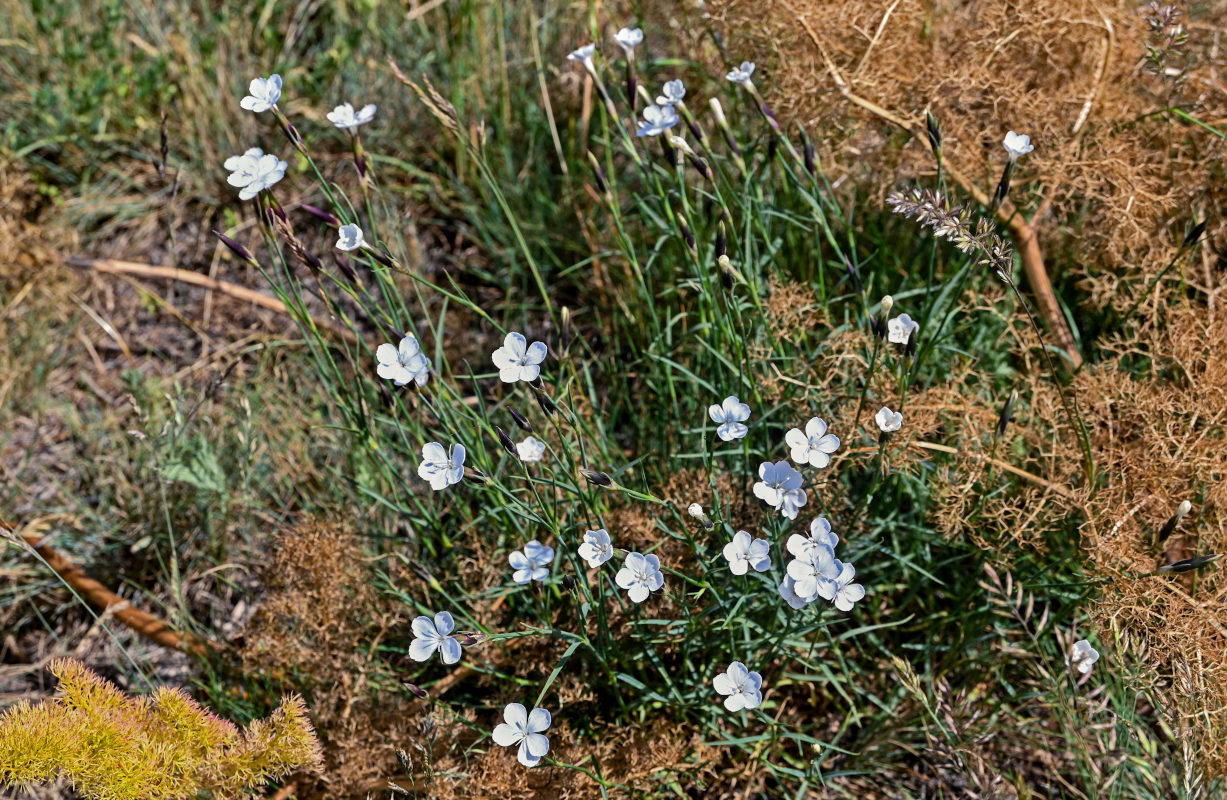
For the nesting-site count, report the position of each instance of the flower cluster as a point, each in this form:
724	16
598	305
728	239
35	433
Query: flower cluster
815	571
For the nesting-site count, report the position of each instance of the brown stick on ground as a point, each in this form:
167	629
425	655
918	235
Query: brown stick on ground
1023	232
93	592
114	267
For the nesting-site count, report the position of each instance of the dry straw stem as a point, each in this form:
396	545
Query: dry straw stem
96	594
1109	166
112	266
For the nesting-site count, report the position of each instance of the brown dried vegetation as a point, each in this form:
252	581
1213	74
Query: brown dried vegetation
1118	178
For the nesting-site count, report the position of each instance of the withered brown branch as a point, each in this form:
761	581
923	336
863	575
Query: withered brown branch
156	630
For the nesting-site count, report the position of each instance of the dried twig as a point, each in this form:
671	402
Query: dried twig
93	592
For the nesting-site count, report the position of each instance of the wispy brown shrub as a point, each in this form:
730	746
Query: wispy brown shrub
1118	176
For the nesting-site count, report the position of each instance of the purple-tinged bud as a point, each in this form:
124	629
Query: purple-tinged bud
1189	564
546	403
598	478
1007	413
416	691
520	419
506	442
331	219
721	240
238	249
475	475
345	267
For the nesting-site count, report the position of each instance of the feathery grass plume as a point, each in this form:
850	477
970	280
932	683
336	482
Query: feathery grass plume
163	745
933	210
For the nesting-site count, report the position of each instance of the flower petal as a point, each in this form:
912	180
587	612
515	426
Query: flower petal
539	720
422	649
723	684
537	745
536	353
515	714
423	627
444	623
506	735
449	648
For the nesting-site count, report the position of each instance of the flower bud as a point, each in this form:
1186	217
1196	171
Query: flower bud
238	249
331	219
1192	236
935	133
687	234
718	111
506	442
564	335
698	513
475	475
598	478
417	691
1189	564
1007	412
721	240
598	173
912	339
728	273
568	583
1169	527
546	403
520	419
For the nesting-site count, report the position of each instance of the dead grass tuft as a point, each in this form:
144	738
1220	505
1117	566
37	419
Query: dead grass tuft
317	628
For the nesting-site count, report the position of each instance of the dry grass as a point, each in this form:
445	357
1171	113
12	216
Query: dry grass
1119	180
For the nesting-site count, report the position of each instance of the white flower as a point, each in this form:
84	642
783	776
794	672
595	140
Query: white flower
584	56
439	467
640	575
743	553
813	446
531	450
430	636
517	360
657	120
1082	656
344	116
815	576
597	547
254	171
776	478
730	416
820	536
526	730
532	563
899	329
888	421
671	94
744	688
629	38
791	501
351	238
742	74
404	363
1017	145
264	94
788	591
846	592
